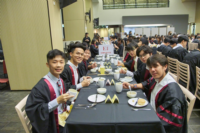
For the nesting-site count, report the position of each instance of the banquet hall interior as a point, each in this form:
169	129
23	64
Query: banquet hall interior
35	32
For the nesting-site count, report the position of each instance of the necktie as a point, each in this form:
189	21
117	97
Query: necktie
146	75
59	85
132	66
85	65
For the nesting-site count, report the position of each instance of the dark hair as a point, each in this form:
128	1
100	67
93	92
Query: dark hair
157	58
181	38
131	46
130	40
53	53
166	40
93	40
87	48
85	44
144	40
86	33
70	44
120	39
78	45
173	40
77	42
145	48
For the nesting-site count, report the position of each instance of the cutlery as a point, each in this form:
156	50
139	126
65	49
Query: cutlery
136	102
95	103
82	105
139	109
129	87
84	108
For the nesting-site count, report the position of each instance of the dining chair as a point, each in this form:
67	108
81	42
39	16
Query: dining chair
183	77
192	46
197	93
20	108
190	98
172	65
159	52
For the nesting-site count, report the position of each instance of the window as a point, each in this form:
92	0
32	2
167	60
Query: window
124	4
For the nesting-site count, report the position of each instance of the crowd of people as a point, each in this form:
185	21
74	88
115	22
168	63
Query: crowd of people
48	97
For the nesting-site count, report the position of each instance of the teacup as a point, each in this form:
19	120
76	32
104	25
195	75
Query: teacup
116	61
116	76
101	83
118	87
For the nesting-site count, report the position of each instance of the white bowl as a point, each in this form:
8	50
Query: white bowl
131	94
117	71
93	70
91	80
108	70
99	58
101	90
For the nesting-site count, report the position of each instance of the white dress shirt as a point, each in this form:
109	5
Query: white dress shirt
129	73
178	45
166	80
78	86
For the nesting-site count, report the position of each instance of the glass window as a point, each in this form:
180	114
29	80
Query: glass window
123	4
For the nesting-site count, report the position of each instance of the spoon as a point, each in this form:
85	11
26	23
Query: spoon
129	87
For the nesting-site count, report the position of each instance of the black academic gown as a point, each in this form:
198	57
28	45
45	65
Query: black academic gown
171	106
178	53
120	50
140	76
166	50
154	50
130	65
88	42
161	48
67	76
37	109
193	60
127	57
94	51
83	69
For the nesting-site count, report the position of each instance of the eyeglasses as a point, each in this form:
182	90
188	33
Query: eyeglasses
144	55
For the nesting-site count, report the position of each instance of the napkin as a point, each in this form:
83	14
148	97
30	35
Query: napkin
108	99
115	99
112	82
62	117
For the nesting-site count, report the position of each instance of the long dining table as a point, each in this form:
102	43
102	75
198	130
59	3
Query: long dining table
111	118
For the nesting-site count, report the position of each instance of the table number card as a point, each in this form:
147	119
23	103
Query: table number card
106	49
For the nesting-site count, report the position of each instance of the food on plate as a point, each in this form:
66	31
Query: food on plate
141	101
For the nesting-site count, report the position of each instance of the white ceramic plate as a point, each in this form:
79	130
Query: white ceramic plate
97	78
132	102
98	58
100	98
126	79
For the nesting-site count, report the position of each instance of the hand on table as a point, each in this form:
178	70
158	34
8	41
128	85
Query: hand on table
126	85
94	65
120	63
86	77
122	71
85	82
64	97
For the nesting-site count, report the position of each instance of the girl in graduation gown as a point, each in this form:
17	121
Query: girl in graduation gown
119	47
166	98
93	49
84	66
135	63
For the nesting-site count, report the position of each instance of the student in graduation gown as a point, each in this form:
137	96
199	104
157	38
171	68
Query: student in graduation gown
164	95
142	74
193	59
71	73
135	63
179	52
86	39
163	45
93	49
167	48
173	42
127	56
143	41
48	97
119	47
84	66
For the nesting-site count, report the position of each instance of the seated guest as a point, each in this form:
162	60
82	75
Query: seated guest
193	59
127	56
71	75
143	41
142	74
178	52
84	66
135	63
93	49
48	98
119	47
166	43
167	48
197	40
173	42
164	95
